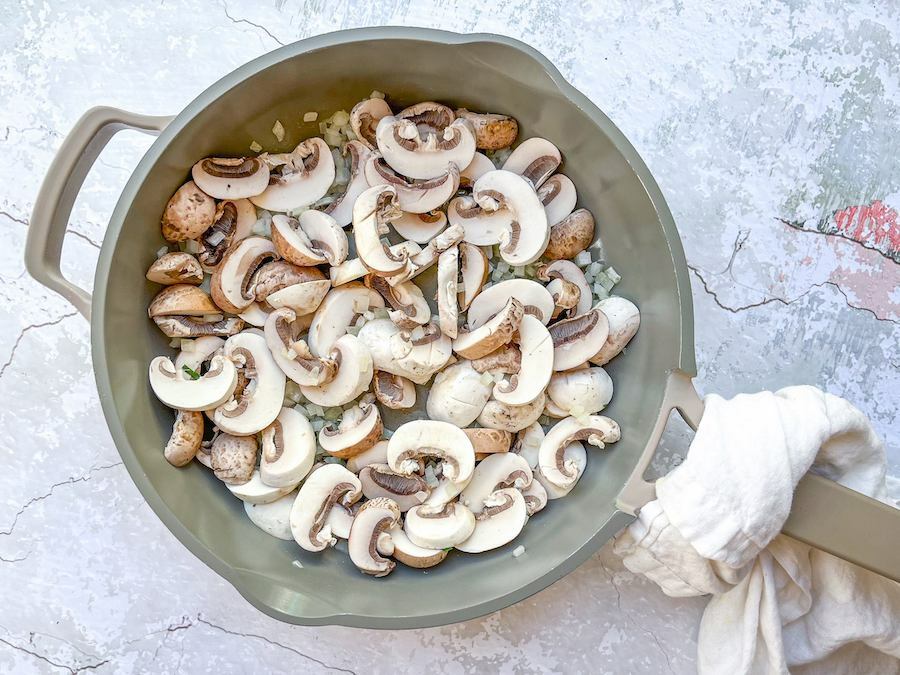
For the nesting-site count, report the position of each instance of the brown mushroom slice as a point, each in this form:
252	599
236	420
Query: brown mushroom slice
188	214
439	526
565	296
595	429
353	269
292	355
575	456
570	236
187	434
273	518
278	275
428	116
581	392
411	555
624	320
420	227
312	239
359	429
302	180
489	441
535	299
501	520
407	153
340	309
176	268
479	166
409	306
536	348
255	491
231	280
512	418
419	439
414	196
364	118
491	335
352	378
341	209
526	237
233	458
374	519
535	159
377	454
566	270
492	131
495	472
535	497
326	486
458	394
447	291
182	300
393	391
234	221
288	449
558	196
577	339
480	227
231	177
379	481
416	354
373	210
188	327
507	359
210	390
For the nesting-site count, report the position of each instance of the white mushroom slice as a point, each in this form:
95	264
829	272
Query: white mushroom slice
408	154
273	518
338	311
624	320
536	300
176	268
302	180
420	227
257	406
195	353
507	359
439	526
570	236
302	298
210	390
553	410
353	269
414	196
595	429
359	429
445	491
428	116
492	131
254	315
182	300
326	486
491	335
364	119
458	395
293	356
373	519
340	520
233	458
256	491
535	497
502	519
577	339
187	435
428	256
480	227
495	472
416	355
566	270
341	209
536	348
234	221
409	306
379	481
189	327
377	454
479	166
558	195
309	240
418	439
189	213
412	555
474	270
447	290
527	234
536	159
488	441
574	456
288	449
581	392
512	418
352	378
230	283
371	214
393	391
203	454
231	177
528	443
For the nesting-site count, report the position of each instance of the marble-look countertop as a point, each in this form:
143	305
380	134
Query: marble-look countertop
772	130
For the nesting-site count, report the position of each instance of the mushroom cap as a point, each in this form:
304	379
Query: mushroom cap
377	454
341	209
324	487
354	373
379	481
489	441
188	214
474	270
535	497
495	472
558	196
393	391
535	299
624	320
430	438
480	227
479	166
231	280
364	119
574	456
231	177
175	268
577	339
273	518
512	418
187	434
581	392
595	429
414	196
304	179
570	236
212	389
566	270
256	491
339	310
492	334
420	227
182	300
278	275
447	290
536	348
373	519
404	150
535	159
528	443
500	521
415	355
528	232
360	428
458	394
354	268
288	449
435	527
492	131
371	213
233	458
412	555
293	356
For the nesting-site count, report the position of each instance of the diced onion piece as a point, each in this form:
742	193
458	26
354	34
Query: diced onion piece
583	259
175	343
310	116
187	345
191	246
376	94
278	130
161	252
486	378
614	276
255	147
518	550
216	238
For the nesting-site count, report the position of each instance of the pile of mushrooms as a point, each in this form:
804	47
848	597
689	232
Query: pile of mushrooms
293	290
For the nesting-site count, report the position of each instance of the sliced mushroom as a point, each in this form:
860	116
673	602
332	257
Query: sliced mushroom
536	348
302	180
187	434
566	271
210	390
474	270
458	394
189	327
416	355
182	300
624	320
447	291
414	196
379	481
428	116
254	315
176	268
553	410
338	311
446	491
231	280
595	429
374	518
371	214
535	299
527	234
439	526
233	458
535	497
354	268
528	443
570	236
429	255
502	519
359	429
273	518
489	441
393	391
575	457
364	119
288	449
341	209
234	221
420	227
495	472
536	159
418	439
506	359
581	392
491	335
577	339
303	298
231	177
352	378
512	418
479	166
326	486
410	308
256	491
402	146
377	454
340	519
558	195
292	355
492	131
312	239
188	214
412	555
480	227
257	406
279	275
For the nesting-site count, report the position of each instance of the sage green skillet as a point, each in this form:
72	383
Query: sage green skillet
330	72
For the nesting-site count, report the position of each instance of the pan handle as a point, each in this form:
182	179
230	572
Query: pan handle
824	514
53	206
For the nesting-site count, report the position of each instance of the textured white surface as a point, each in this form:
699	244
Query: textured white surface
747	115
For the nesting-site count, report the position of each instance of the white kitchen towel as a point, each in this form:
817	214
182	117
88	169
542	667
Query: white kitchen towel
714	529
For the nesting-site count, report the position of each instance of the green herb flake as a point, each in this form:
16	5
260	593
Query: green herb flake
448	549
193	374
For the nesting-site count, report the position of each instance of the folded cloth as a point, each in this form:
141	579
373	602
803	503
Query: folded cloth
714	529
